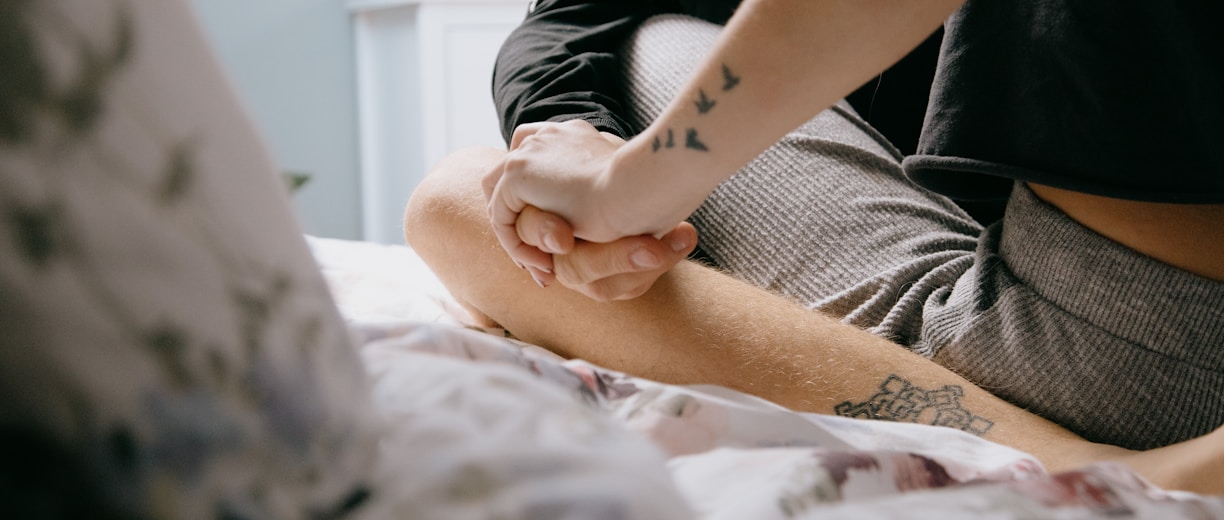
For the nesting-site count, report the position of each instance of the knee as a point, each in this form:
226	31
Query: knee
448	204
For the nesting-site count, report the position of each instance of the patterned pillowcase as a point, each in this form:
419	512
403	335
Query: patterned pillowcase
167	346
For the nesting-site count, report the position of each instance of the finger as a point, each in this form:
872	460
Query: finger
542	278
681	241
544	230
621	287
591	261
612	138
522	132
503	214
524	255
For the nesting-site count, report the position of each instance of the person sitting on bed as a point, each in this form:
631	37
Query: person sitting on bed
1087	323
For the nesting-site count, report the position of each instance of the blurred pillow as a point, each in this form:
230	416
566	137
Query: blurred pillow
167	346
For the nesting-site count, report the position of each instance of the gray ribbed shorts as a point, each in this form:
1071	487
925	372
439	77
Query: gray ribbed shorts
1036	309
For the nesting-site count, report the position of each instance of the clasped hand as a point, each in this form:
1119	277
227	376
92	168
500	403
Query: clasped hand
553	212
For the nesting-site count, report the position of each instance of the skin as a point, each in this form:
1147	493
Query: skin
1186	236
689	328
564	198
536	236
698	326
769	71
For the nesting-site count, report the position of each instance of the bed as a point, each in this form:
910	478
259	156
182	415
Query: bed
709	452
171	346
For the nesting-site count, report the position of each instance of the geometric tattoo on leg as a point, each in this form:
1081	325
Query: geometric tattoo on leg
901	401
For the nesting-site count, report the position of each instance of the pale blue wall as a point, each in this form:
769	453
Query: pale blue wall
292	62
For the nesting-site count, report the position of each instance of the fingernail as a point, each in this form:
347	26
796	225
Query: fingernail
679	244
645	259
538	281
551	243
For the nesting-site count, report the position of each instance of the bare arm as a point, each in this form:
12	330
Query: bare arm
778	63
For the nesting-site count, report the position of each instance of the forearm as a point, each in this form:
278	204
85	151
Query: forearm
778	63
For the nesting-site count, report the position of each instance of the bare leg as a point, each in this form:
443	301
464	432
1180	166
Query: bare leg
697	325
674	333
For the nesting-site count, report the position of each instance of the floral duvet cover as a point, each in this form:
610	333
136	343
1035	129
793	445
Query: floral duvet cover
519	428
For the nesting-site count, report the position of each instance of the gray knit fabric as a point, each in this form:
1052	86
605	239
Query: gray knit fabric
1053	317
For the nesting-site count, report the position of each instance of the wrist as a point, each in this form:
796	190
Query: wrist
658	190
628	184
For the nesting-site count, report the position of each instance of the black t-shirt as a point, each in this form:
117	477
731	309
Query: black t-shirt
561	63
1121	98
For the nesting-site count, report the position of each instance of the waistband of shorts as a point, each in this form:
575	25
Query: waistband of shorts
1128	294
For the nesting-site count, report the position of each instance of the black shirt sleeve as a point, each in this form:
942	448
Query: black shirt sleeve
563	62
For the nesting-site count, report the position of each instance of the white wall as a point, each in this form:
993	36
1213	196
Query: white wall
423	69
292	62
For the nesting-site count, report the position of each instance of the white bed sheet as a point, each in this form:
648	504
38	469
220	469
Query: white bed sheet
512	427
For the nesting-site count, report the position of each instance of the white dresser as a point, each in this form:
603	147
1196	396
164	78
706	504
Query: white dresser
423	74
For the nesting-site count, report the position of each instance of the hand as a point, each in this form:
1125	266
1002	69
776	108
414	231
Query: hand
619	270
561	168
